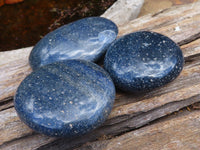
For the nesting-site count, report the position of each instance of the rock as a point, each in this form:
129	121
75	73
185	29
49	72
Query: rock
123	11
142	61
85	39
65	99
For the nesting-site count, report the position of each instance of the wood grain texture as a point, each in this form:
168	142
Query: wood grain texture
14	68
122	11
179	23
174	134
130	111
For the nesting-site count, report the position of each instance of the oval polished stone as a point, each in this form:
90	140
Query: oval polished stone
65	99
142	61
85	39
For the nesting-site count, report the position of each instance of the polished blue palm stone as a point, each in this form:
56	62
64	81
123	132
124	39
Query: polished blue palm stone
142	61
85	39
65	99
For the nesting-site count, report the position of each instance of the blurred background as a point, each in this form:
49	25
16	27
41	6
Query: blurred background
24	22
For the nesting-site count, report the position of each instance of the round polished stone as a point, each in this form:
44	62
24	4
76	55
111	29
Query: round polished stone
142	61
85	39
65	99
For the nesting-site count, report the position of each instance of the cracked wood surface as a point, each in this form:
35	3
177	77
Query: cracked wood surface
130	111
178	133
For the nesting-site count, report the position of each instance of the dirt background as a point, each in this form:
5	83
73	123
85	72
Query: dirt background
24	24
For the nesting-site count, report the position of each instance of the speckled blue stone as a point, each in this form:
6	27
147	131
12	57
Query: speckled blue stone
65	99
142	61
85	39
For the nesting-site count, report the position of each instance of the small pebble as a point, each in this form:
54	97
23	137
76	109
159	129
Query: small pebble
142	61
85	39
65	99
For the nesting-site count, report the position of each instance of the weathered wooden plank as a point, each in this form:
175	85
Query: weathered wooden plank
119	114
124	112
155	102
112	130
179	23
13	69
185	87
7	104
184	91
11	126
106	130
27	143
178	133
190	51
123	11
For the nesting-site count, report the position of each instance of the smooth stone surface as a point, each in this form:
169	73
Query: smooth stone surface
65	99
85	39
142	61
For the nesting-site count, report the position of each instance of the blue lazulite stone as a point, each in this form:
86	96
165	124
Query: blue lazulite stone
65	99
85	39
142	61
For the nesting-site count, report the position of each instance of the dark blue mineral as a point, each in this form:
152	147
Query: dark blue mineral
65	99
85	39
142	61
